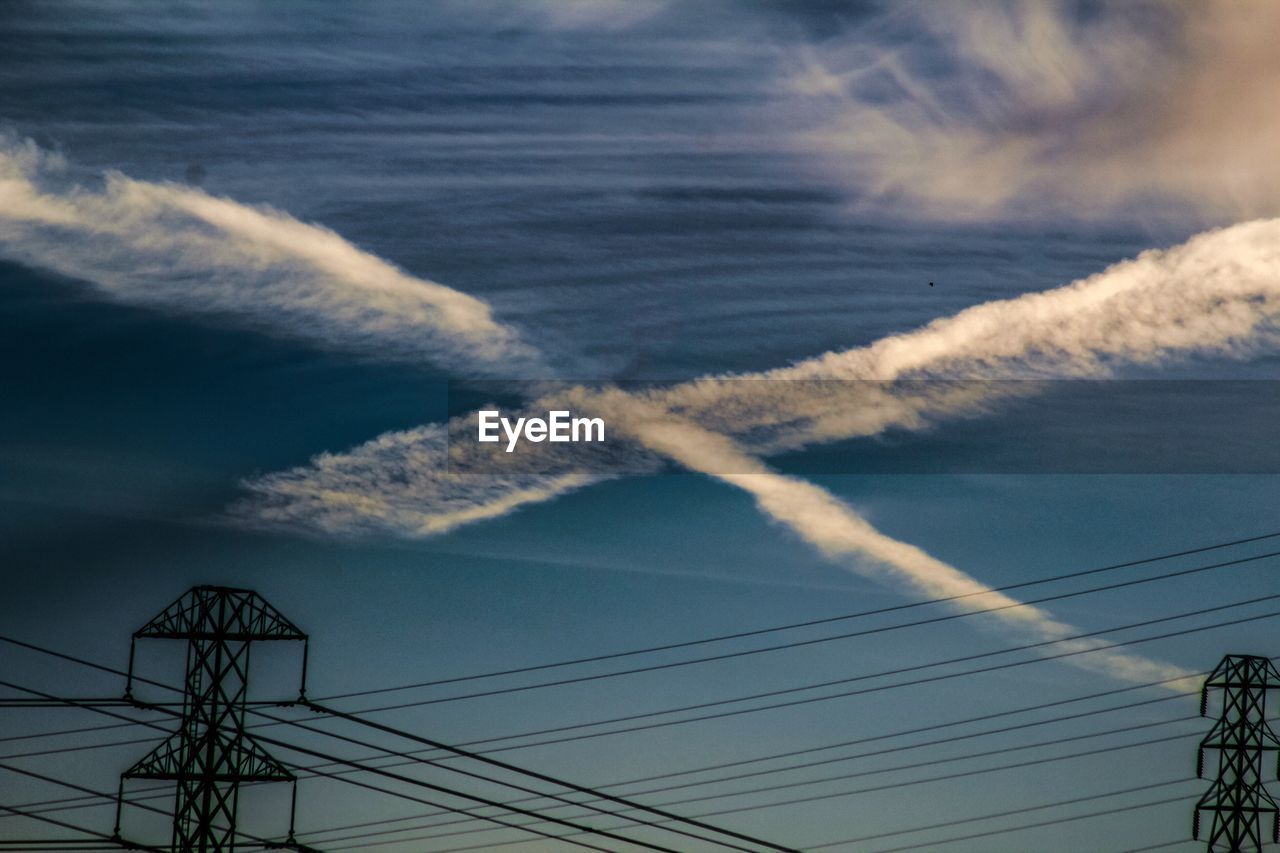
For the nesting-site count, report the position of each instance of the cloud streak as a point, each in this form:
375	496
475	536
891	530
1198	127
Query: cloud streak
178	248
998	109
845	537
398	482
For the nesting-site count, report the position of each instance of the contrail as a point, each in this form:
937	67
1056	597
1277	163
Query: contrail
1216	294
179	248
810	512
848	539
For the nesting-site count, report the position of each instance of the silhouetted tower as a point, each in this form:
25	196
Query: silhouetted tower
1237	798
211	754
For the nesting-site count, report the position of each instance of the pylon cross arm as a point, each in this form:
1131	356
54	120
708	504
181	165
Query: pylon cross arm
223	613
240	760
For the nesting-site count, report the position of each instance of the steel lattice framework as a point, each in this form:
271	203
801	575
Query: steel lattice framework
211	755
1237	799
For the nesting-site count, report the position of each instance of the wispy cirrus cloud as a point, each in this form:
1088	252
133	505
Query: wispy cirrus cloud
399	482
1004	108
178	248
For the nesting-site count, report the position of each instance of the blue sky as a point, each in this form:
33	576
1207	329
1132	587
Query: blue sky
599	194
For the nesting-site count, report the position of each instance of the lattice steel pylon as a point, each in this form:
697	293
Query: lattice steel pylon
211	755
1237	799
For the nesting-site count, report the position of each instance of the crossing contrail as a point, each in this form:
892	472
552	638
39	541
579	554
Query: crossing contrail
181	249
1216	294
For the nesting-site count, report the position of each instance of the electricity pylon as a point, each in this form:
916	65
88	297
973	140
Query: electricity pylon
211	755
1237	798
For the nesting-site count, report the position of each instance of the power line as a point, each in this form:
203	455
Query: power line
31	843
813	798
967	757
100	702
537	795
1145	580
1193	570
109	798
65	749
698	706
489	802
454	809
873	789
862	755
1165	845
81	788
476	798
44	650
59	655
86	801
55	822
930	845
960	821
303	749
62	702
845	694
854	742
826	620
515	828
1011	813
1183	572
64	656
883	787
437	805
441	746
881	629
795	702
891	750
319	773
1007	749
63	732
950	724
937	742
802	701
826	747
90	707
543	777
91	703
1044	823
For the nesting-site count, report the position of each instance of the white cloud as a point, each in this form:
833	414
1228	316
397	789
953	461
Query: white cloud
997	109
181	249
399	481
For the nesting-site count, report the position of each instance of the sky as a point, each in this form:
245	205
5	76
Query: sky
881	303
